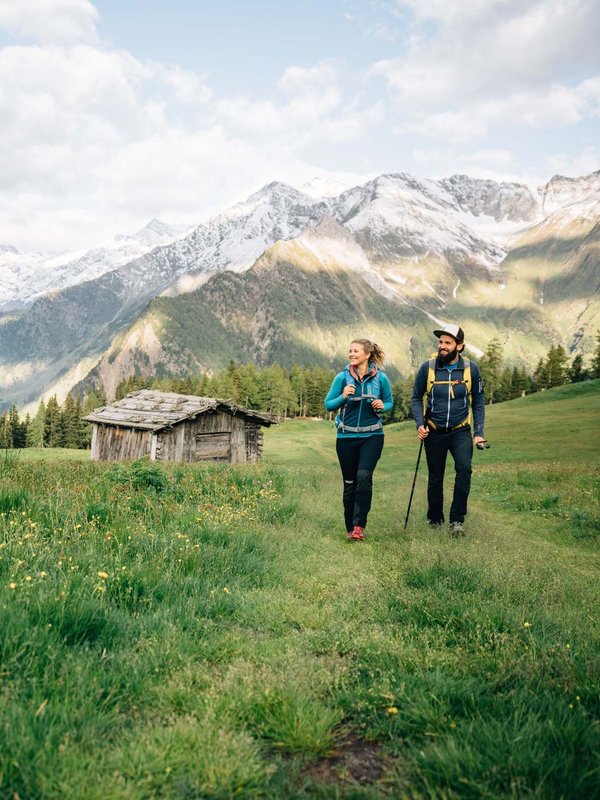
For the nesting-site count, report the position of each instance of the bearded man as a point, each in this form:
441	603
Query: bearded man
447	390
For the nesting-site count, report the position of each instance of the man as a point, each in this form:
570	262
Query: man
446	389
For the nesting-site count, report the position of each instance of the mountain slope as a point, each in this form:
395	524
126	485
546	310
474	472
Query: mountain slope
302	301
42	347
483	253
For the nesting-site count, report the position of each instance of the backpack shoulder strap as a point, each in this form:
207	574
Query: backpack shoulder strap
376	385
430	381
348	379
467	374
430	375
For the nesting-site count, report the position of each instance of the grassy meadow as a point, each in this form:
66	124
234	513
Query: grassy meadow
206	631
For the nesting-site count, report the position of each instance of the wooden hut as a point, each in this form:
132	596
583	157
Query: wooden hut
177	427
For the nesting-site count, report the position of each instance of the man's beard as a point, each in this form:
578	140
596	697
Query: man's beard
446	358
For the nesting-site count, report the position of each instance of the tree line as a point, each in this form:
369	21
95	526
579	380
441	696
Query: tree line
297	392
52	426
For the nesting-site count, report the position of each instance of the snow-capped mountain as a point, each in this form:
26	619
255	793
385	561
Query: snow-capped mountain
435	246
26	276
399	219
300	301
561	191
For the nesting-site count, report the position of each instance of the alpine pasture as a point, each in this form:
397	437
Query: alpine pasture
208	632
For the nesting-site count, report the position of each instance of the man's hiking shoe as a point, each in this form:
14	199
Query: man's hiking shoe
457	529
357	534
435	524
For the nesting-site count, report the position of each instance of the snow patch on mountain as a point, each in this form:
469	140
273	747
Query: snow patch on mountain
26	276
400	217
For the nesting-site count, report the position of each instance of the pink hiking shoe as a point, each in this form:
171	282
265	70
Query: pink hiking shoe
357	534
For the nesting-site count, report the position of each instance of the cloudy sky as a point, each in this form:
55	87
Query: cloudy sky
117	111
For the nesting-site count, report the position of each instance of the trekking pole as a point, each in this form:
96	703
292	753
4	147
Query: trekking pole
412	491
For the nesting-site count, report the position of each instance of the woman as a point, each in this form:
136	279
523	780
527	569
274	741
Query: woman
362	393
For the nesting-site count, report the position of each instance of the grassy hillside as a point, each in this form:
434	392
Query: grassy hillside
208	632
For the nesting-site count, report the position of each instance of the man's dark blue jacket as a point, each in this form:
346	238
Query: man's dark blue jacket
447	411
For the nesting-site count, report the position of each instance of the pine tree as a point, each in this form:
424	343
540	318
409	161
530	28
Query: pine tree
53	434
504	388
247	386
203	386
540	376
181	385
576	373
6	433
526	381
38	427
298	383
556	366
318	381
28	426
491	366
131	384
277	395
18	430
122	388
91	402
402	390
70	422
519	382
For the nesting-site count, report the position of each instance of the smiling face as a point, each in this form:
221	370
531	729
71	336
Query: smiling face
358	356
448	349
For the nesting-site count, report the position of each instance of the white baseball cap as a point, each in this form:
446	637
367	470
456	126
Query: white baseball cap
451	330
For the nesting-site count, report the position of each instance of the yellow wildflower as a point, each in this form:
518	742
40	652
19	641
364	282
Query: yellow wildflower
12	585
103	575
392	710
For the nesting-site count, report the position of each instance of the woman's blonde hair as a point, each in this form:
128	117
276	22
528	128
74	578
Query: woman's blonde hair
376	354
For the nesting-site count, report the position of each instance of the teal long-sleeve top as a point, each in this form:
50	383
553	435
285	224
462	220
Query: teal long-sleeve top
360	413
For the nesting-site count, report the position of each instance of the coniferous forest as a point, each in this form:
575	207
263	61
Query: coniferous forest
295	392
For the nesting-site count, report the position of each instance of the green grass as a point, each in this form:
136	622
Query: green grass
45	454
207	631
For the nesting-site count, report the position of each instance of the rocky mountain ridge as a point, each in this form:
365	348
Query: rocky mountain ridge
421	241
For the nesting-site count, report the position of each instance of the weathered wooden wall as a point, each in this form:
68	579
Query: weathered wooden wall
210	436
216	437
110	443
254	441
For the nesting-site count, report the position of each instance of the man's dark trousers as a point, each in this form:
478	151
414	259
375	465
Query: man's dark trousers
437	445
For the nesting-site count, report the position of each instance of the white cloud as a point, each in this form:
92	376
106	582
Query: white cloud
462	57
495	77
94	140
50	21
583	163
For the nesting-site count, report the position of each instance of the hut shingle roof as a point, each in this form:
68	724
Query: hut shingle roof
153	410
